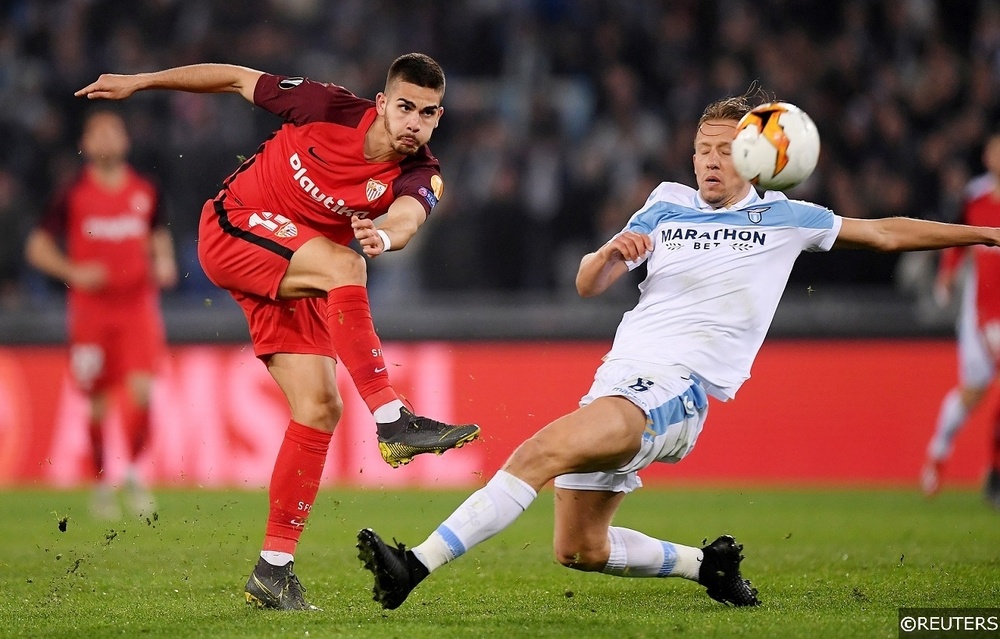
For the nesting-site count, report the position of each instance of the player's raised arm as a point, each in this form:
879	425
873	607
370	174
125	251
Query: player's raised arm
194	78
602	268
894	234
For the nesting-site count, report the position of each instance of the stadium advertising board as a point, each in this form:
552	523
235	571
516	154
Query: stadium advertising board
814	412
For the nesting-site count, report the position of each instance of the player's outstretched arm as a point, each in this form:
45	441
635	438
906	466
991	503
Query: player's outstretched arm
402	220
194	78
602	268
895	234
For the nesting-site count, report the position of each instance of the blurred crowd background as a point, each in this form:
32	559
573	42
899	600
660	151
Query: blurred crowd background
560	115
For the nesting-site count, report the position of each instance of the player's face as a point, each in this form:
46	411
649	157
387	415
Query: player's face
105	139
718	181
411	113
991	155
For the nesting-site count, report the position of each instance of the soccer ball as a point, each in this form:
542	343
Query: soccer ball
776	146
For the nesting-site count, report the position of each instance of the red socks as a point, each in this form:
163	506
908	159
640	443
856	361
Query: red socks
349	319
294	484
96	431
135	421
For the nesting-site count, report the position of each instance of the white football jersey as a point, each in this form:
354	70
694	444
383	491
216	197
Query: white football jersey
714	278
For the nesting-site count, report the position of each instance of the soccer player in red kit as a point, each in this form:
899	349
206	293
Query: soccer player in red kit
276	237
117	253
978	331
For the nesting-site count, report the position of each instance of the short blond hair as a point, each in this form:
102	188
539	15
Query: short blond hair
733	108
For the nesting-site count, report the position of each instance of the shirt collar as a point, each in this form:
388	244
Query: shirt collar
702	205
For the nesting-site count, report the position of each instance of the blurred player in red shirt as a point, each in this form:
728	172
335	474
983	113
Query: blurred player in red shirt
117	254
978	330
276	236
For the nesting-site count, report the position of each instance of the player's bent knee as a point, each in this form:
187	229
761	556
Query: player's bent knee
581	557
320	267
350	266
537	462
344	268
322	414
972	396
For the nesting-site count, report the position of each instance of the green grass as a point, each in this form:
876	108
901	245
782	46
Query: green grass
829	563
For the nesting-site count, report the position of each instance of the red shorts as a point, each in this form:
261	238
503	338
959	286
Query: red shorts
246	251
109	344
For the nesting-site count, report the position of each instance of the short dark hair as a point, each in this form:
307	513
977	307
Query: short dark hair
418	69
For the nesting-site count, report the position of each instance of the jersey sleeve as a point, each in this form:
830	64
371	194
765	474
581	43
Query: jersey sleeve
818	225
421	181
56	214
640	223
301	101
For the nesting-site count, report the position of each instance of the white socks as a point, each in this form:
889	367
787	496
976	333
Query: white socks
950	421
388	413
634	554
500	502
485	513
276	558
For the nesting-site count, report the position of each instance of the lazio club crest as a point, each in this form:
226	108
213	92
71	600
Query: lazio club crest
757	215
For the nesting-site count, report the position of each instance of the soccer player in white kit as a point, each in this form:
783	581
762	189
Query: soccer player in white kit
717	261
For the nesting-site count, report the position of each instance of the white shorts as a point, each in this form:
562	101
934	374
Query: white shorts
675	405
976	366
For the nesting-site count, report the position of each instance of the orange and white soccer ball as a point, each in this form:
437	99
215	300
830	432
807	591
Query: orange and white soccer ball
776	146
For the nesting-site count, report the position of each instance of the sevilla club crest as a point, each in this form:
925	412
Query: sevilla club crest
374	189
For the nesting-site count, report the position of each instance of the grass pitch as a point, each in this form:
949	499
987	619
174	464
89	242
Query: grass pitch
828	563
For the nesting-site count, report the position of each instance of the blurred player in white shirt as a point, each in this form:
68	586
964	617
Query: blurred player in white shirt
717	261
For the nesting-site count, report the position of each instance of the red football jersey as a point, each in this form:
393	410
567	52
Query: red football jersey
985	211
313	169
112	227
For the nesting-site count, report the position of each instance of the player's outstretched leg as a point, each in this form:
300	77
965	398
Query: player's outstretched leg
276	587
413	435
397	571
720	573
400	436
